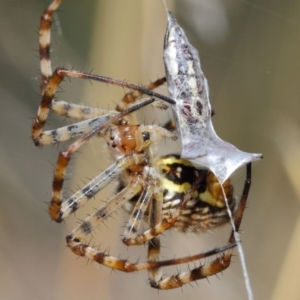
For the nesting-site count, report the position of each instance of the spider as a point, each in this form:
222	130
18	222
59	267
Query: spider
169	192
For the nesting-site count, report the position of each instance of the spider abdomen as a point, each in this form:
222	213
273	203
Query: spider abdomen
207	208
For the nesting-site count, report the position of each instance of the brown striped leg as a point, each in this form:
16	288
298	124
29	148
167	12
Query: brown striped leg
89	224
124	265
69	132
78	199
44	42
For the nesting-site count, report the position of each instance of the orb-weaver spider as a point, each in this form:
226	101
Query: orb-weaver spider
169	191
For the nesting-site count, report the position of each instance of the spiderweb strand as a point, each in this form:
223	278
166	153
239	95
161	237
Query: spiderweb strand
240	249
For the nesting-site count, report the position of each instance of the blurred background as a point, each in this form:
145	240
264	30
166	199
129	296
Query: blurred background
250	54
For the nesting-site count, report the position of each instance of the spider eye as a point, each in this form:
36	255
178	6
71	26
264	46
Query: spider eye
146	136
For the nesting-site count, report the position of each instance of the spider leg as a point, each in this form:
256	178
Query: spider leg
82	112
132	96
59	209
125	265
66	133
60	73
138	212
44	42
86	227
242	204
155	274
79	112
